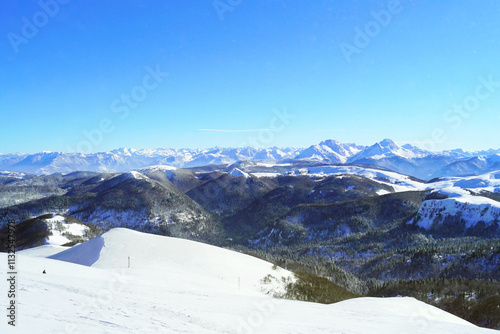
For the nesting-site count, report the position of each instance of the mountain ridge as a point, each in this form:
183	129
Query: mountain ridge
406	159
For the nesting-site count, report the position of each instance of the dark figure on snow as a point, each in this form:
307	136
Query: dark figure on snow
44	272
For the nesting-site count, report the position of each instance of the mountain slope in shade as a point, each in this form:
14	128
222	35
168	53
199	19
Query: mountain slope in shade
178	286
49	229
224	193
183	179
293	190
136	201
322	222
472	166
133	199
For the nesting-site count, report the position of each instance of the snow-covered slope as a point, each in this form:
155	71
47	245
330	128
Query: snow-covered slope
179	286
188	261
238	172
485	182
63	232
466	209
398	181
7	174
51	229
469	211
169	171
450	186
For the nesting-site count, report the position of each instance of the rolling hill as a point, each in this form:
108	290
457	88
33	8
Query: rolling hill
180	286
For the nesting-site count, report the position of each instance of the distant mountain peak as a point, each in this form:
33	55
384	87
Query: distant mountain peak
388	143
386	153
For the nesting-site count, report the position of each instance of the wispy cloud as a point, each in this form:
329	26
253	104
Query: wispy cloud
330	130
426	142
225	130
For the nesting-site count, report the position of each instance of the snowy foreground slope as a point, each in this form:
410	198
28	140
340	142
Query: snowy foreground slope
180	286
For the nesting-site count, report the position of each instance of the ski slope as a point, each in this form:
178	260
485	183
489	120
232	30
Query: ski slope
180	286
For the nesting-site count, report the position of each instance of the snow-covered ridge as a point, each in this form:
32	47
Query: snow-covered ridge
158	168
135	175
125	159
169	255
470	210
449	186
488	182
405	159
169	171
238	173
12	174
461	205
398	181
180	286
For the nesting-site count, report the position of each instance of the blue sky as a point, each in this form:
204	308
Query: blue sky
77	75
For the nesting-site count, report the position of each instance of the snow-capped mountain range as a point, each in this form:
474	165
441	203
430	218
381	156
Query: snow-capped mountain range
406	159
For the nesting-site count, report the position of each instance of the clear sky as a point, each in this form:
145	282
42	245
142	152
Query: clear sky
98	75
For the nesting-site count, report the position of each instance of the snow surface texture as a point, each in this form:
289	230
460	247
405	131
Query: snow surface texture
180	286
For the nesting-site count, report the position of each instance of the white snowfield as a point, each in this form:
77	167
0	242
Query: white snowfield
60	228
180	286
488	182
